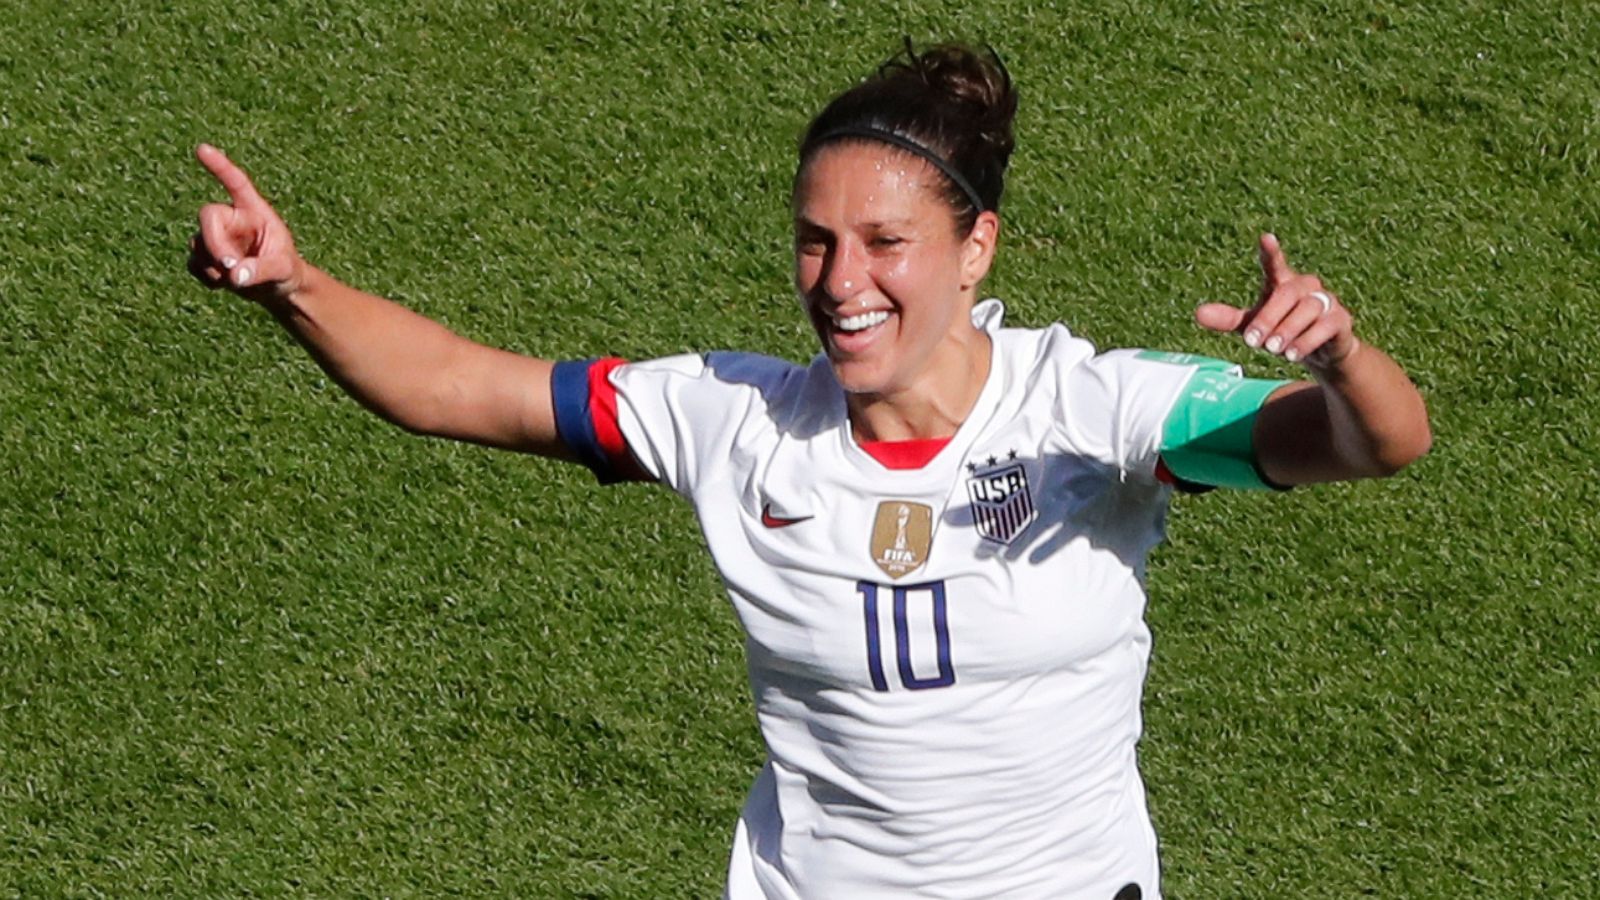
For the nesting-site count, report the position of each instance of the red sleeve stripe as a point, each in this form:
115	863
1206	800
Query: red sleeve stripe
607	430
1166	476
603	409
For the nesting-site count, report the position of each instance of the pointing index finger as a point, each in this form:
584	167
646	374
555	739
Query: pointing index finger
1275	268
232	178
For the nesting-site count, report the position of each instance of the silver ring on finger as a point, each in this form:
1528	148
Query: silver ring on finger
1323	298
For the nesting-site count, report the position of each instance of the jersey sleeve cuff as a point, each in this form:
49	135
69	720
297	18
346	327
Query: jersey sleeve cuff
585	403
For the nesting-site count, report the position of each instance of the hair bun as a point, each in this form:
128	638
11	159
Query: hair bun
976	81
956	101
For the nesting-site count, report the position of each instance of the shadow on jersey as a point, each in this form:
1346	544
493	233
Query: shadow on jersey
1038	507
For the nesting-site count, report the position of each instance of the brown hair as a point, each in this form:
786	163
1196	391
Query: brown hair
952	100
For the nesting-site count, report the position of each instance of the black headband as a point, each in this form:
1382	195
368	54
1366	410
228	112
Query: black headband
912	147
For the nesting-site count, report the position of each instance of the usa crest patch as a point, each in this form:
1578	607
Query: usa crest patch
1002	505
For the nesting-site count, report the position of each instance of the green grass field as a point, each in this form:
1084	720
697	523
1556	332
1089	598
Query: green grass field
255	642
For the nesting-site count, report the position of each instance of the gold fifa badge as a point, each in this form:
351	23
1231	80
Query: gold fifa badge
901	536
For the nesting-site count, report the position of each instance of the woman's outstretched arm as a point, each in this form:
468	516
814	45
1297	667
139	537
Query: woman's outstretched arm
1360	418
408	369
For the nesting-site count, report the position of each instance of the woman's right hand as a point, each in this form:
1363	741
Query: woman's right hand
243	245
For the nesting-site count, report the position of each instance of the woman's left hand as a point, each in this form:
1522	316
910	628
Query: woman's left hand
1295	317
1361	418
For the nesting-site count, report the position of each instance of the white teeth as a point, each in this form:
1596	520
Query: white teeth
862	322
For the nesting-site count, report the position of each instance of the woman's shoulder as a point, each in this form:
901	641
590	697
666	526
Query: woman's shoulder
732	368
1074	366
731	380
1055	346
1048	347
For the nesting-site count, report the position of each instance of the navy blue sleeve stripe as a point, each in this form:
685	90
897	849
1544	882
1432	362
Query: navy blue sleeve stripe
569	389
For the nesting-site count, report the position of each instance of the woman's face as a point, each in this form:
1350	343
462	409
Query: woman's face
886	280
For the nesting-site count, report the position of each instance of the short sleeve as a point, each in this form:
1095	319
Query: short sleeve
675	420
1171	417
1114	405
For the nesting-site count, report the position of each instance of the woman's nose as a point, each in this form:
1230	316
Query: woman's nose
847	273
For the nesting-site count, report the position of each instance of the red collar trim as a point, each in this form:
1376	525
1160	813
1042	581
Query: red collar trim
913	454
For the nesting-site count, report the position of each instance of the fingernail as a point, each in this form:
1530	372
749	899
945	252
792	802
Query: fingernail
1252	337
241	276
1292	354
1273	343
229	262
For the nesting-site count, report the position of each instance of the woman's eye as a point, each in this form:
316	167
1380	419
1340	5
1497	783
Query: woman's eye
885	241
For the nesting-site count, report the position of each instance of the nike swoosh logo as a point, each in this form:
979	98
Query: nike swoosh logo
772	521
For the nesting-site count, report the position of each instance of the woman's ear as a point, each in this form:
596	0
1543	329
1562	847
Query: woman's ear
977	251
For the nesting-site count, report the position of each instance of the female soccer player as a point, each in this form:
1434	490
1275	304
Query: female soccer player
934	534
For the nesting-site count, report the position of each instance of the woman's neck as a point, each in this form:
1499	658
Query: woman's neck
933	407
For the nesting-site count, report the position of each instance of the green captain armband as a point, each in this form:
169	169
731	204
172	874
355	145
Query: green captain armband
1209	438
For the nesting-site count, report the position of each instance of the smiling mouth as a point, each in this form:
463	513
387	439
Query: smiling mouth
861	321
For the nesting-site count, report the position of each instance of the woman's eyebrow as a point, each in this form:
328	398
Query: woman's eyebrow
871	224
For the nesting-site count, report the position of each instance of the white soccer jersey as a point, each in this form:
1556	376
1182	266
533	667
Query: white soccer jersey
946	662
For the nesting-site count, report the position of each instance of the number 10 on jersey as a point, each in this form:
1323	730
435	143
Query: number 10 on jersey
921	621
